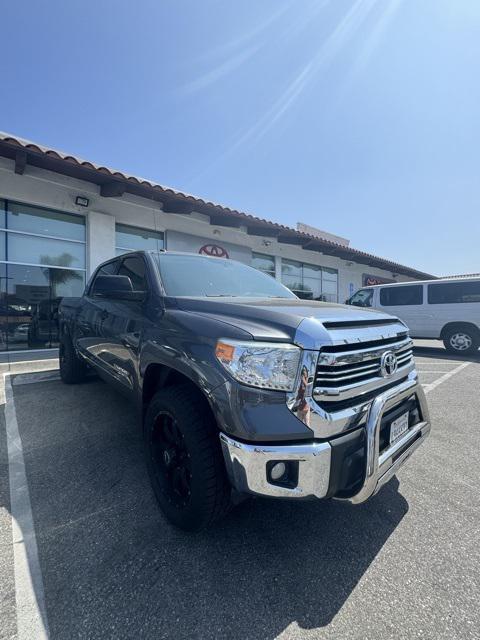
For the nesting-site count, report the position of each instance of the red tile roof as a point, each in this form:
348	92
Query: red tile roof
180	202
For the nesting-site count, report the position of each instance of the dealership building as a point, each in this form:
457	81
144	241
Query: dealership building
61	216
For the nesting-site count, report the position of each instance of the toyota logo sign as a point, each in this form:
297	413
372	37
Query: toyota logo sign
213	250
388	364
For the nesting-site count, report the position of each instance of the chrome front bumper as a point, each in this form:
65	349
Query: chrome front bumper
247	463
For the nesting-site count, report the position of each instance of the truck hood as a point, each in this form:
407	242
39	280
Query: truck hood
277	319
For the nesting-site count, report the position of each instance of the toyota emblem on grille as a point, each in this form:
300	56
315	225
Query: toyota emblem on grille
388	364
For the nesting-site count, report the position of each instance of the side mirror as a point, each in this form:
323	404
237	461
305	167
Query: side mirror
118	287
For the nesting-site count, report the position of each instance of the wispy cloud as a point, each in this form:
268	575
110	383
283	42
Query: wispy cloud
224	69
328	51
257	30
303	19
230	60
371	43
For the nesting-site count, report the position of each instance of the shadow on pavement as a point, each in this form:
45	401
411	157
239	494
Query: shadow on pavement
113	568
441	353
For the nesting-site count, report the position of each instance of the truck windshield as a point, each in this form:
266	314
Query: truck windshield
194	276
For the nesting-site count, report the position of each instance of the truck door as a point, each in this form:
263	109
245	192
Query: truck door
94	313
122	325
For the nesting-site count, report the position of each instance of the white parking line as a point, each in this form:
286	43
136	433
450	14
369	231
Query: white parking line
438	362
432	371
446	376
29	593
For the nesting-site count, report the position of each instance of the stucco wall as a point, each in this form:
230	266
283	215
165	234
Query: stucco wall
185	233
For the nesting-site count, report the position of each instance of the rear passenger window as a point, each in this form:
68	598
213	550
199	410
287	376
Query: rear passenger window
134	268
401	296
454	292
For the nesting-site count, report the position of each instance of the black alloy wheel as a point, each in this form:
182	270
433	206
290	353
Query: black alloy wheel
184	458
171	459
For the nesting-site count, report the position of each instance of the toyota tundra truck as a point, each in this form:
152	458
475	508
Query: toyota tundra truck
242	387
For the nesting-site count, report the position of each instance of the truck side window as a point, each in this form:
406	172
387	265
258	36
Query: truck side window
108	269
134	268
362	298
401	296
454	292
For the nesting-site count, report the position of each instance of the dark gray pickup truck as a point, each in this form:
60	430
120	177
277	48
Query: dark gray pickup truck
242	387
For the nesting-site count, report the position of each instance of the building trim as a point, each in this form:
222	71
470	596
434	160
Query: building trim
176	202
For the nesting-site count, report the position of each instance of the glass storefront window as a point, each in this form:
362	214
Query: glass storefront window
311	271
3	239
37	250
44	222
264	263
2	213
309	281
292	277
329	284
30	295
292	269
30	303
4	315
133	239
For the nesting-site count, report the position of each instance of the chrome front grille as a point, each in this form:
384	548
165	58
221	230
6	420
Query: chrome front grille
347	369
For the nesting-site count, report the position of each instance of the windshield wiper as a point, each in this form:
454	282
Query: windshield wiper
220	295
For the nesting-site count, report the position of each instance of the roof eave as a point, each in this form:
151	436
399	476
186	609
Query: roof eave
114	184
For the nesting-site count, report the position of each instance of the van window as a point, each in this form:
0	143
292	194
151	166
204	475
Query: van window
454	292
363	298
401	296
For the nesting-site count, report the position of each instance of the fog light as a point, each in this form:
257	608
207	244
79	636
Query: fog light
278	471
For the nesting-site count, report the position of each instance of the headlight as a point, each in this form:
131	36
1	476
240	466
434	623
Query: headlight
266	365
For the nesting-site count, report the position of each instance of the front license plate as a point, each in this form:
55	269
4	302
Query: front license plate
398	427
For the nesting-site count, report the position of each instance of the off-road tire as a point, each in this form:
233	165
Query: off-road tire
72	369
208	488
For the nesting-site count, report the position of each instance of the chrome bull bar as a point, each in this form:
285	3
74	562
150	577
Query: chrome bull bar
380	467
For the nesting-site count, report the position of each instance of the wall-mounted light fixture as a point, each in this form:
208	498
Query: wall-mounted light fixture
217	232
394	275
348	263
266	243
81	201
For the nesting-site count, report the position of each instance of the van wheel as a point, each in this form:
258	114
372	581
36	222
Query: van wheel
461	340
184	459
72	368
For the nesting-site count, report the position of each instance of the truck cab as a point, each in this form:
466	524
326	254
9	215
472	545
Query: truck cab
243	388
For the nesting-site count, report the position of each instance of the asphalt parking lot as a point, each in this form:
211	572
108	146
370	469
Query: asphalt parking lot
406	564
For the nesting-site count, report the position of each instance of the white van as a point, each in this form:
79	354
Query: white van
447	309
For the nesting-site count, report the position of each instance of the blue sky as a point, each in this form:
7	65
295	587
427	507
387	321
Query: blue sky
361	117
